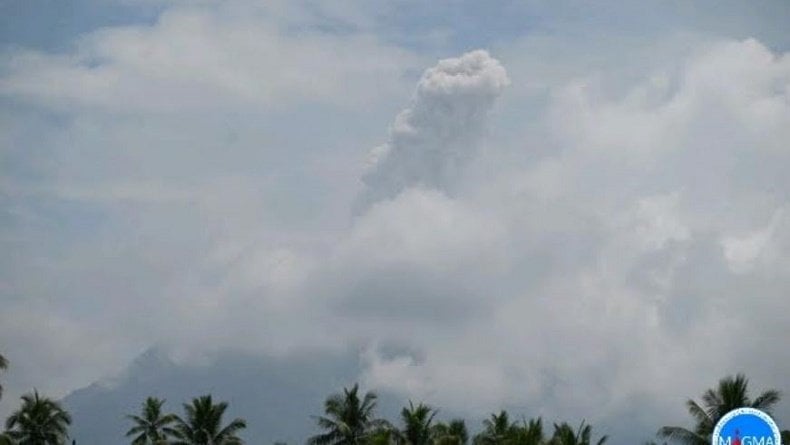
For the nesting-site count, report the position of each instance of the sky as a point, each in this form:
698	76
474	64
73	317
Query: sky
579	208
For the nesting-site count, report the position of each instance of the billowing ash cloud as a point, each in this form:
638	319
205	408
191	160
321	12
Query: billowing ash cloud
434	138
653	243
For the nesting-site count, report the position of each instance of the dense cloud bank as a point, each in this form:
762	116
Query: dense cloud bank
641	253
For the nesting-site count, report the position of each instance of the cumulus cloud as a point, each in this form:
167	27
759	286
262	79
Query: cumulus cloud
580	271
741	252
206	55
623	279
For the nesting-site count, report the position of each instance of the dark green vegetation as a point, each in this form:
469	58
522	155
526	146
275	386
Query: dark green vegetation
38	421
731	393
3	367
203	425
151	426
350	419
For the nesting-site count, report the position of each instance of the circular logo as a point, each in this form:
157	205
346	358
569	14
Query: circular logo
746	426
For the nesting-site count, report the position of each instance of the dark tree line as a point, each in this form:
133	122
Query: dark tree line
349	418
201	425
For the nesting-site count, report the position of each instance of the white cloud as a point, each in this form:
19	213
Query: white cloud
743	251
616	285
570	271
207	56
424	228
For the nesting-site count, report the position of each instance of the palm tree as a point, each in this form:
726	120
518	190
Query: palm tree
453	433
565	435
530	433
40	421
3	367
730	394
203	424
151	427
417	422
349	420
4	438
382	436
497	430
